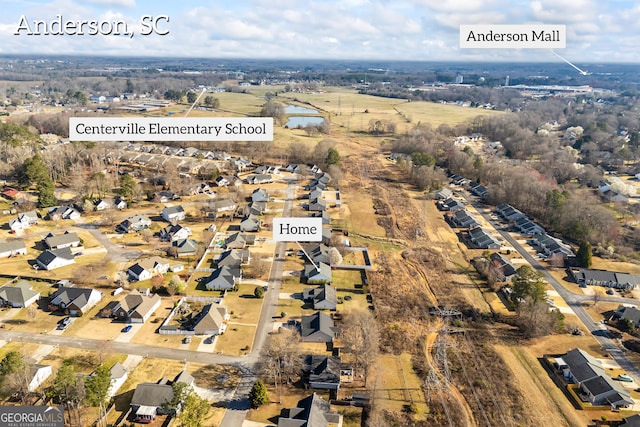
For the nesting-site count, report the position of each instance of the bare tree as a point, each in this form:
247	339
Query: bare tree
362	339
280	358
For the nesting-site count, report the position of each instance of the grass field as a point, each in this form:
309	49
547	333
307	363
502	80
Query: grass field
397	385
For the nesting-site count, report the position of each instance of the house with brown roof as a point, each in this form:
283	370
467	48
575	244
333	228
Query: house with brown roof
136	307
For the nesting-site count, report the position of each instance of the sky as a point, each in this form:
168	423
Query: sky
420	30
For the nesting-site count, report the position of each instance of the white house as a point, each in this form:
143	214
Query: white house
12	247
173	213
37	375
51	259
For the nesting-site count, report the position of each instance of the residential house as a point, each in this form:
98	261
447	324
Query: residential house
135	223
101	204
260	195
239	240
323	297
223	278
502	267
12	247
317	274
63	212
221	206
51	259
38	374
479	190
527	227
119	203
173	213
551	246
164	196
318	254
255	209
294	168
323	177
482	239
10	193
251	223
185	247
317	327
595	385
174	232
149	400
629	313
326	217
450	205
239	164
77	301
509	213
632	421
136	307
212	320
321	372
233	258
18	295
118	377
258	179
65	240
443	194
23	221
147	268
312	411
317	205
222	181
462	219
201	188
610	279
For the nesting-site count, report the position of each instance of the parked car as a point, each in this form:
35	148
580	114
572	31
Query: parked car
64	323
625	378
127	328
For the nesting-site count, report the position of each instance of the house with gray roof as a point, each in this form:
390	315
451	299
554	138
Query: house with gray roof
260	195
77	301
173	213
63	212
605	278
322	372
323	297
312	411
23	221
18	295
66	240
233	258
502	267
174	232
259	179
185	247
51	259
239	240
317	274
317	327
12	247
212	320
223	278
251	223
135	307
134	224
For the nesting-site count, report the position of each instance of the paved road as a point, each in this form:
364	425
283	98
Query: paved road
238	407
574	301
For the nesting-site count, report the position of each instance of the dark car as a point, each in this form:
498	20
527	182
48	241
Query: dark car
127	328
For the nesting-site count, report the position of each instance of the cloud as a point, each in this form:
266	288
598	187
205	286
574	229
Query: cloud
114	3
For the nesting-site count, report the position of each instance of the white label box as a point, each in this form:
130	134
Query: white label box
171	129
513	36
297	229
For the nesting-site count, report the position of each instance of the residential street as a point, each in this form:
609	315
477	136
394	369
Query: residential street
574	301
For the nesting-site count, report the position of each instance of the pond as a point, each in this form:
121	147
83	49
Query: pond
302	121
294	109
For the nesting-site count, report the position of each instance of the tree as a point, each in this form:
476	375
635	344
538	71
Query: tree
176	285
258	394
273	109
361	338
333	157
97	388
127	186
258	292
12	362
192	97
211	101
280	357
46	194
527	283
194	411
626	325
584	255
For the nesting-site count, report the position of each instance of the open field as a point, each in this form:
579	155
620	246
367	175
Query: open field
397	385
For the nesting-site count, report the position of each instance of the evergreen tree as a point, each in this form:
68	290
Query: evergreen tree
194	411
127	186
527	283
46	194
97	386
584	255
333	157
258	394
